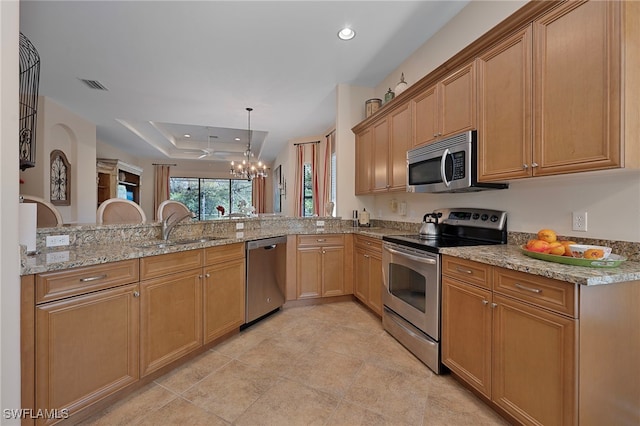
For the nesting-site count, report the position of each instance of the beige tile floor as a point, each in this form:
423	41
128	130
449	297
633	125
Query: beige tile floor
329	364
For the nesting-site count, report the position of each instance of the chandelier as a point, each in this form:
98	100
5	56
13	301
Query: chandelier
247	169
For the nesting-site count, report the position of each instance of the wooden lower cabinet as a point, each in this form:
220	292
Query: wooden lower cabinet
170	318
512	348
223	295
321	266
368	272
86	348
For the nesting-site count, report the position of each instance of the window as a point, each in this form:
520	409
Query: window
307	202
202	196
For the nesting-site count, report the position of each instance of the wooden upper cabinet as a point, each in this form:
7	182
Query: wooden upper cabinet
504	109
445	109
399	121
577	88
364	148
424	117
381	153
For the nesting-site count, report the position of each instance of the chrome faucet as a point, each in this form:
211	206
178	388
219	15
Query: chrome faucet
168	227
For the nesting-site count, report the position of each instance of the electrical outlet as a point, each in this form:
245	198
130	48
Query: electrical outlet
319	223
58	256
57	240
239	225
579	221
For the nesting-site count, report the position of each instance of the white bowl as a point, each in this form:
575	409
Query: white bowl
578	250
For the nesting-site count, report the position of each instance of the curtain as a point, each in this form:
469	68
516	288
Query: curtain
317	203
259	186
327	173
161	187
298	190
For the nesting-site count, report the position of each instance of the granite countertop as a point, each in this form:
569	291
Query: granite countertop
506	256
510	257
57	259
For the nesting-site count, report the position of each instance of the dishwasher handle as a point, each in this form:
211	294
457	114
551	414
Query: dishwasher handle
271	247
266	243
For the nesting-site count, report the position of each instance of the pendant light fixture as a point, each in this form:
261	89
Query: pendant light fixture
247	169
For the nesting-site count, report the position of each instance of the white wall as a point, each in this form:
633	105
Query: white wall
9	190
59	128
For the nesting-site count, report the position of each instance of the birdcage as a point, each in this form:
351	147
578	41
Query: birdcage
29	81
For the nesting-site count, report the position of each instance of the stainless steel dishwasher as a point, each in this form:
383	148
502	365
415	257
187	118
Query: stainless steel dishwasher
266	269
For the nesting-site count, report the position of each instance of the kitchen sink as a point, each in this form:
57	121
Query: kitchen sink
171	243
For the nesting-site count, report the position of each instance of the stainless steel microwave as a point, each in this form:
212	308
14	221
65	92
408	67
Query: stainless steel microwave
449	165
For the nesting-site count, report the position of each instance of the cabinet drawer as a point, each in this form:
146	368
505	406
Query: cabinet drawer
467	270
558	296
224	253
164	264
321	240
72	282
368	243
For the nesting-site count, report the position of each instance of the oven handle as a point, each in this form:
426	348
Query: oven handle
416	258
443	173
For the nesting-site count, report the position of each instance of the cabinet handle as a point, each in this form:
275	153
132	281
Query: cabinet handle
464	271
485	302
533	290
366	255
200	276
435	135
97	277
323	252
321	240
534	164
493	305
525	166
136	294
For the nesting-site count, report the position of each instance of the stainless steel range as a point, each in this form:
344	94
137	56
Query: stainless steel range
411	274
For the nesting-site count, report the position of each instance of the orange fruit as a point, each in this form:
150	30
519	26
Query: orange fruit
567	249
539	246
547	235
557	248
594	254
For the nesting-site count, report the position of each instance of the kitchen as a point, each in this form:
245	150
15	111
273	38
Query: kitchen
532	204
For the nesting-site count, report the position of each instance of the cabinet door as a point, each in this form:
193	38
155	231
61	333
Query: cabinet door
466	333
332	271
375	282
86	347
504	109
309	272
534	363
361	274
170	318
224	298
364	149
380	181
577	87
400	143
457	102
424	117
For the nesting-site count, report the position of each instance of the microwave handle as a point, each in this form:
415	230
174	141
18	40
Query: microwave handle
443	174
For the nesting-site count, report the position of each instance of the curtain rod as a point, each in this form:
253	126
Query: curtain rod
304	143
330	133
161	164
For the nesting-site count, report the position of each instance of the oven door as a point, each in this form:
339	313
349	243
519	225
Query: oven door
412	286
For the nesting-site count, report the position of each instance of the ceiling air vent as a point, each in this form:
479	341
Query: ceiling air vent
93	84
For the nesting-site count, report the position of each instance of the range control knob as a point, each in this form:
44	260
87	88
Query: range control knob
484	216
494	218
475	216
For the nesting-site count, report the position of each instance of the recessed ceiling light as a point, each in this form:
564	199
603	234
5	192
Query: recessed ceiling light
346	34
187	135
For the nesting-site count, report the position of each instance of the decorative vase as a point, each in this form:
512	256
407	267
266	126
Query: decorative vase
401	86
389	95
